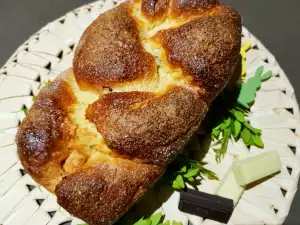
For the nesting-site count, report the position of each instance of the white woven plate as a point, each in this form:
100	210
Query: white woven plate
50	51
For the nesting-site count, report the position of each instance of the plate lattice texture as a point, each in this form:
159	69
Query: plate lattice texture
50	51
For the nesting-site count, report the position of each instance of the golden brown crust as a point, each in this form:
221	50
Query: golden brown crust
186	8
100	156
146	126
154	9
119	56
44	134
101	194
206	48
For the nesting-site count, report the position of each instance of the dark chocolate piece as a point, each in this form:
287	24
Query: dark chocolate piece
206	205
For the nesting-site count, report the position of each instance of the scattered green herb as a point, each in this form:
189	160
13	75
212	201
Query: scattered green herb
46	83
189	171
176	223
233	123
234	126
156	219
34	98
25	110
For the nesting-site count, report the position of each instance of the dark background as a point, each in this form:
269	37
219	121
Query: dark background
275	22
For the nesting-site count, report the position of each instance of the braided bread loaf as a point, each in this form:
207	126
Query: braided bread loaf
143	76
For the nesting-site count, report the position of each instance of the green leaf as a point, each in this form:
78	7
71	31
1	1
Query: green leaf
255	130
217	127
183	169
176	223
165	223
217	143
257	141
194	169
237	128
191	179
246	136
227	133
46	83
217	150
225	123
212	176
155	219
34	98
220	152
148	221
208	173
219	156
143	222
175	185
216	133
239	115
191	173
179	180
252	129
242	109
259	71
25	111
266	76
232	126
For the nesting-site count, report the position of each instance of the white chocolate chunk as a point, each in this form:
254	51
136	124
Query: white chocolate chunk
251	169
229	188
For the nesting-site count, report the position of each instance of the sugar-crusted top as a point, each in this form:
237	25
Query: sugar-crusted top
144	74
